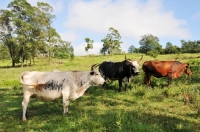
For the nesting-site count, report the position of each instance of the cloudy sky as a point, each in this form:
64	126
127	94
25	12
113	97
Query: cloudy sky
169	20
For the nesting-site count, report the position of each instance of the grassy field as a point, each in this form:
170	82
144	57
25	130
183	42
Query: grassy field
140	109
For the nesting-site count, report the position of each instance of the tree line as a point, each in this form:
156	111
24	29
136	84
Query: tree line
150	45
26	31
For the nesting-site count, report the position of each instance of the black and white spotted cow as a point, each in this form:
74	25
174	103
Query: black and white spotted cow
121	71
51	85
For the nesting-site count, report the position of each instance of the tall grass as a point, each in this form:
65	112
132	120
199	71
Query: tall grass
141	108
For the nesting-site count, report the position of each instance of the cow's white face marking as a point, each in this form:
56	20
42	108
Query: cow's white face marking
136	65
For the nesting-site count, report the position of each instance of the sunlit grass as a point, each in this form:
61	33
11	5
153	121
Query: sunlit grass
139	109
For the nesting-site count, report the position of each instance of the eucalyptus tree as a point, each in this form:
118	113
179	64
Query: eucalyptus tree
111	43
150	45
89	44
8	36
49	34
22	15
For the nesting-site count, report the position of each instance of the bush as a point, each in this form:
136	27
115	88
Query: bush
194	61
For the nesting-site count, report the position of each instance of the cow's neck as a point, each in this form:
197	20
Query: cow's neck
179	72
81	89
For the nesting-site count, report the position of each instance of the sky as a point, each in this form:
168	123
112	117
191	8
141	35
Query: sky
169	20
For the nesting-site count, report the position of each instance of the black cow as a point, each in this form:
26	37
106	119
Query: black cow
121	71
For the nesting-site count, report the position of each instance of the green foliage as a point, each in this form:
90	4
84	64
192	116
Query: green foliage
89	44
4	53
153	53
194	61
27	31
111	43
63	50
170	49
132	49
190	46
150	45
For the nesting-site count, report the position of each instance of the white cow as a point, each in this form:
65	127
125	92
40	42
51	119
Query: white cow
51	85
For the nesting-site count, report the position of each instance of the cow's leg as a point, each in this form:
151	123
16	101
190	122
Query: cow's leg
147	79
120	85
169	80
66	103
126	80
25	104
169	75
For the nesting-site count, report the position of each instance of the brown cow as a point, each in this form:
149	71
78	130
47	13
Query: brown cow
170	69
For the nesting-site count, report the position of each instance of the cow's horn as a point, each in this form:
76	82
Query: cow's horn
94	66
125	57
140	59
129	61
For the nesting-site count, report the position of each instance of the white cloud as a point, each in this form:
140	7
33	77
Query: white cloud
56	4
131	18
80	49
68	36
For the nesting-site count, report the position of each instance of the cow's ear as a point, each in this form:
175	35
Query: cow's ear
91	73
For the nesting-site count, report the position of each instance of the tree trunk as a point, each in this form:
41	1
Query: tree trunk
23	56
13	62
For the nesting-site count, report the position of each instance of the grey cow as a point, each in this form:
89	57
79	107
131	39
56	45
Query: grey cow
51	85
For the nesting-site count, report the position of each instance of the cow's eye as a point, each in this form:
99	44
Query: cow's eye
92	73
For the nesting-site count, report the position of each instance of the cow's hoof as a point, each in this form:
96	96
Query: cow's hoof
66	113
24	119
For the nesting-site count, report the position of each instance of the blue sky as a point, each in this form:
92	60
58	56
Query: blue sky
169	20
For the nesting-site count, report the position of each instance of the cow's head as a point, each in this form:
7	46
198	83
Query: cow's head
96	78
187	69
134	66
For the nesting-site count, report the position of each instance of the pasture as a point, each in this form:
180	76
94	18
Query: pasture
140	109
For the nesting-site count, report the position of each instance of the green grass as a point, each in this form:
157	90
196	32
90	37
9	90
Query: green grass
140	109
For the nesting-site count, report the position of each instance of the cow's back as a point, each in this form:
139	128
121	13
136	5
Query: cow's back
110	69
160	68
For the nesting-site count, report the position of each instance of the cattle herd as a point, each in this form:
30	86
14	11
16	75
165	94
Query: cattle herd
73	84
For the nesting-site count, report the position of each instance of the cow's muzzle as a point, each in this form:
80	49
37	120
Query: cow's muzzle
136	73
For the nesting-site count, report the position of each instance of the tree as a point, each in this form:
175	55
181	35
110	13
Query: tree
22	15
132	49
190	46
7	34
64	50
150	45
89	44
50	36
170	49
27	31
111	43
4	53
